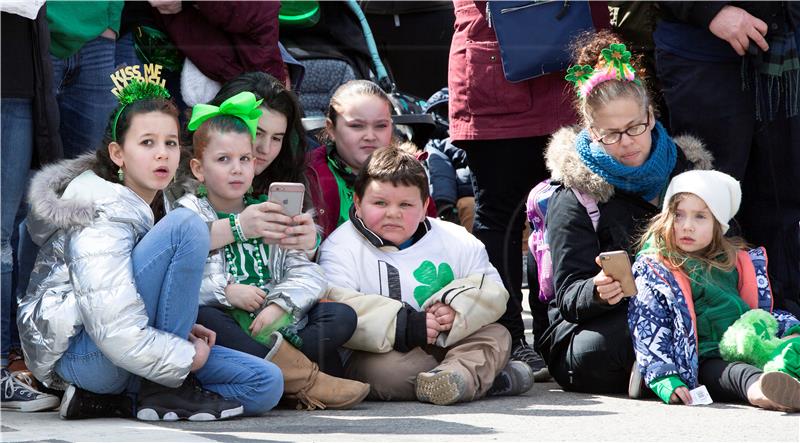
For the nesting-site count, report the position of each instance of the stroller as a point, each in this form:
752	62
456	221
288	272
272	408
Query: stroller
340	47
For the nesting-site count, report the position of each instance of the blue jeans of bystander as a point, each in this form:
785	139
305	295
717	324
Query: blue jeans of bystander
17	148
82	86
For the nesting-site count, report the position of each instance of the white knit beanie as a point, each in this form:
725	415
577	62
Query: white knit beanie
721	192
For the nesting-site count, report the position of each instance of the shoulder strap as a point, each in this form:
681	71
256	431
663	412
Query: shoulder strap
590	204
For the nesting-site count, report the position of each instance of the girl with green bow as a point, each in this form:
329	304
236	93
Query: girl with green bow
260	295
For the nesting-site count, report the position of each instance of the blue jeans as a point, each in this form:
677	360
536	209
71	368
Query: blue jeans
126	52
17	149
82	86
168	267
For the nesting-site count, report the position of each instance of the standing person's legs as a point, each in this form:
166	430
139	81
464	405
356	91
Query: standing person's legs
125	51
329	327
598	357
478	359
17	140
391	375
82	86
725	124
770	211
503	173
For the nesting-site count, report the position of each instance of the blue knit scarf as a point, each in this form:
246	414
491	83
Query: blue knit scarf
647	180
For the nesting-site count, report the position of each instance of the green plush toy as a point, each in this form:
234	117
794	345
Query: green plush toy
753	339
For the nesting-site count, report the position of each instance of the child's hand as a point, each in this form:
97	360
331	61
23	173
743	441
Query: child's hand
266	317
201	352
245	297
205	334
608	289
266	221
444	314
303	235
681	395
433	327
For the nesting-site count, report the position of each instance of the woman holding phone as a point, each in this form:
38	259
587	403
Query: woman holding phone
622	158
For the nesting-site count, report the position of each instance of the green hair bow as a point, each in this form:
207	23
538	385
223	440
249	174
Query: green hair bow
242	105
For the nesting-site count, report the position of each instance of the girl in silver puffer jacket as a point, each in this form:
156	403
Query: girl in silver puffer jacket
113	298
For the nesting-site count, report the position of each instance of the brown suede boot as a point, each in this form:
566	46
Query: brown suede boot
309	387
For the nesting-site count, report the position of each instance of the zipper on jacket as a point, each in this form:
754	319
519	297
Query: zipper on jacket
561	13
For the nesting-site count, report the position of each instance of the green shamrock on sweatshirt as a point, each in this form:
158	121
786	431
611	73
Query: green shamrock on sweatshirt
432	279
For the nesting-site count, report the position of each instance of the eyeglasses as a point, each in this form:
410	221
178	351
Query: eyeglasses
633	131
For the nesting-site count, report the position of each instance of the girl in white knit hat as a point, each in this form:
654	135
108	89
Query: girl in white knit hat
693	283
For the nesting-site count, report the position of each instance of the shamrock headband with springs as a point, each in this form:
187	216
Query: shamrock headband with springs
131	85
243	106
614	64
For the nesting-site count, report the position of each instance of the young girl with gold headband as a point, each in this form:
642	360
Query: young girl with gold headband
110	311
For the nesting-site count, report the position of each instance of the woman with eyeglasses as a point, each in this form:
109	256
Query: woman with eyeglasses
621	159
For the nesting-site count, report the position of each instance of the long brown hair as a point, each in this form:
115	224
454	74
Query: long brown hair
720	253
290	164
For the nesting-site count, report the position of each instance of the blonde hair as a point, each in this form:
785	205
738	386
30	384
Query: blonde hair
720	253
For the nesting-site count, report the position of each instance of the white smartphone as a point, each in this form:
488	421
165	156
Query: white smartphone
288	195
617	265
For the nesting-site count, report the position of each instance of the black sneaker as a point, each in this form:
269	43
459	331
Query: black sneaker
522	351
516	378
19	395
186	402
79	403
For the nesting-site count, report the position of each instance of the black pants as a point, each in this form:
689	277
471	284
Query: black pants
503	173
706	99
727	382
597	357
329	326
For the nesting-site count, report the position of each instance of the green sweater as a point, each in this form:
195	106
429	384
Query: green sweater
73	23
717	305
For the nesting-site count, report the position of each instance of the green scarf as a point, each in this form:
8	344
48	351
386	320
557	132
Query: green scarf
717	304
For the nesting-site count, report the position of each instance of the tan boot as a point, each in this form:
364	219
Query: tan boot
311	388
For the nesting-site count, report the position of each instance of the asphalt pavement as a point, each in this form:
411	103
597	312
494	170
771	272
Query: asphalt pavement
545	413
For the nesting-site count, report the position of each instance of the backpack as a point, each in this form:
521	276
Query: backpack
536	208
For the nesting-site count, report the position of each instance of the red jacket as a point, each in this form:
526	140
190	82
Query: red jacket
227	38
325	192
486	106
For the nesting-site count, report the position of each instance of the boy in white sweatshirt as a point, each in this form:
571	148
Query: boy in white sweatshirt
425	292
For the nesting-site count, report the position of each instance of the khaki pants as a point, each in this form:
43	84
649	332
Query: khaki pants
466	212
392	375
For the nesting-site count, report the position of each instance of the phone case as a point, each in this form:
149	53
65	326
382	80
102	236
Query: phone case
617	266
288	195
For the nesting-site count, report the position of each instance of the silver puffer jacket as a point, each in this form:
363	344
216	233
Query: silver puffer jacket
83	279
297	283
